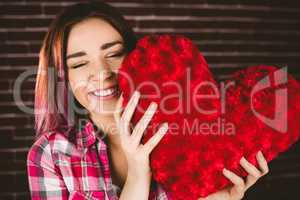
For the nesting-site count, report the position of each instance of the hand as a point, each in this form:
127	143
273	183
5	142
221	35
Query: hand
237	191
137	154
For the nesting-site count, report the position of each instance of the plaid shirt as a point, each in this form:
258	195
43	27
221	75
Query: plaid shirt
60	169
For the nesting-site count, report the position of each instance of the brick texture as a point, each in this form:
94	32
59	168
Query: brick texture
232	34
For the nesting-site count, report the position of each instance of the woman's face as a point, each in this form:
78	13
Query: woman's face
95	51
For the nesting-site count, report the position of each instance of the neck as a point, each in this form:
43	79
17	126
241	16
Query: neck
108	125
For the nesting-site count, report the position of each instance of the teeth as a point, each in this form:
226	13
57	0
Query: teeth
104	93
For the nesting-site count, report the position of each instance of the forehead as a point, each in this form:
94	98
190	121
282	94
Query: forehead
92	31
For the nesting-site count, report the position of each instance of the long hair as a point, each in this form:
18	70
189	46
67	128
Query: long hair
52	97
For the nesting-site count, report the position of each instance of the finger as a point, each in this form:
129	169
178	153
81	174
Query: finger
239	184
262	162
118	109
117	117
154	140
250	169
128	112
219	195
143	123
253	172
130	107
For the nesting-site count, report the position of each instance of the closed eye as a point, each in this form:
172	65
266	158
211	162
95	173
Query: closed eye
118	54
77	66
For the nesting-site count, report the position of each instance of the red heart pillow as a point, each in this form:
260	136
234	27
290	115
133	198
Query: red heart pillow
211	126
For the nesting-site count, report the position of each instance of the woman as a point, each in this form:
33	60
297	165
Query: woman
83	49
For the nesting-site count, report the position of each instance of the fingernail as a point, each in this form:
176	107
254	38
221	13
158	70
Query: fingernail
153	105
136	93
135	96
243	159
165	126
260	154
225	171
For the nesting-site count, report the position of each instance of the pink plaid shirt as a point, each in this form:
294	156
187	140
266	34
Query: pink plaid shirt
60	169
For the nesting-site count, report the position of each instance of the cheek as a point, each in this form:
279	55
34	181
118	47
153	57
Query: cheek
116	64
78	84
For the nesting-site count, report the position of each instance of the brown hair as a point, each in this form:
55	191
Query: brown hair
52	100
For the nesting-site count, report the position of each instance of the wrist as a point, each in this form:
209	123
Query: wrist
139	176
137	186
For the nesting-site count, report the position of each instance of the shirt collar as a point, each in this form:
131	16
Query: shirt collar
88	135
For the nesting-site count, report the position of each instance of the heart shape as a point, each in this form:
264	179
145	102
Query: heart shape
211	125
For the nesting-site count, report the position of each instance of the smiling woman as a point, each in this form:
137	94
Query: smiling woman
84	48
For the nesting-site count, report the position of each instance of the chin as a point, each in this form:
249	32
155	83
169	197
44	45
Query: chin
104	109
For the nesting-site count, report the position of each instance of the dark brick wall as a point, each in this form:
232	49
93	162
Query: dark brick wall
231	34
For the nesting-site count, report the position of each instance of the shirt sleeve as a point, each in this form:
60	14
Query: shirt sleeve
45	182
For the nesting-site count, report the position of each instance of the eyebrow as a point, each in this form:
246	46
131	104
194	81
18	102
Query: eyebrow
103	47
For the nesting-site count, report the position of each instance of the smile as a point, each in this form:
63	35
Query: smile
106	93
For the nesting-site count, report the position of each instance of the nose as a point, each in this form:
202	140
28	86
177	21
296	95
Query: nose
101	74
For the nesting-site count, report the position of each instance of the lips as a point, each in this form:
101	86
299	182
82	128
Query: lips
104	94
103	89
